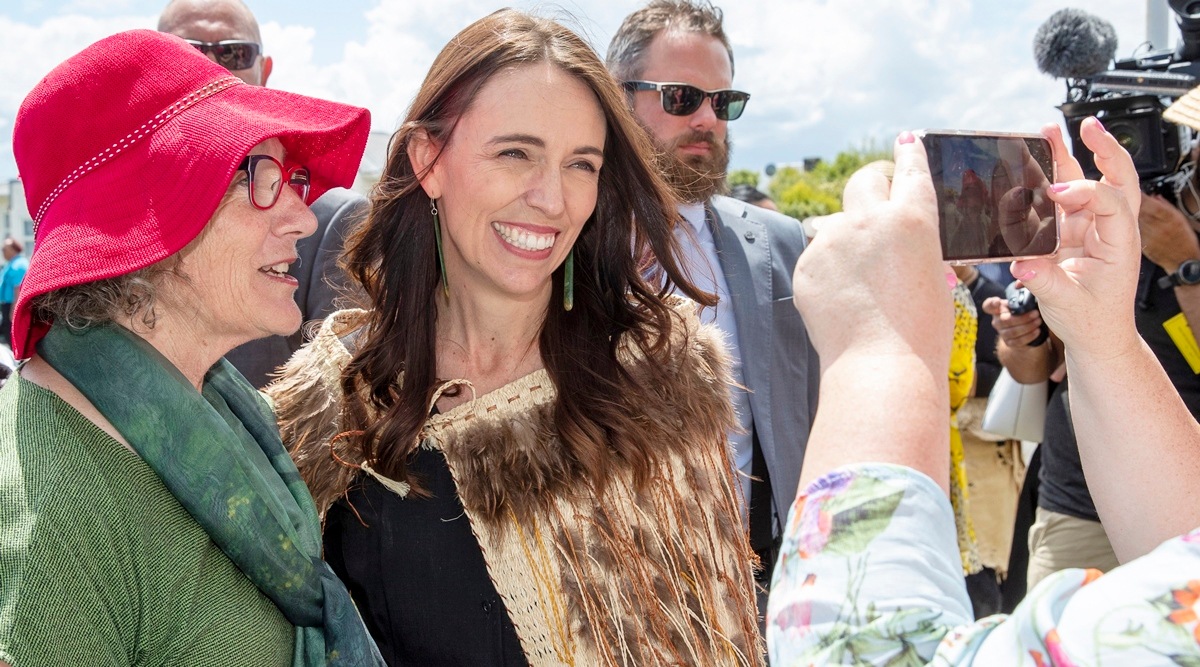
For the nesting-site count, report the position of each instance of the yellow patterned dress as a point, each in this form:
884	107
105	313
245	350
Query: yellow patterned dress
962	377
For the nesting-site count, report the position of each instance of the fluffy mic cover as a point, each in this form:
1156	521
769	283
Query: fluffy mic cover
1074	44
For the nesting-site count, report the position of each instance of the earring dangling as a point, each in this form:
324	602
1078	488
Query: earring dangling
569	281
437	233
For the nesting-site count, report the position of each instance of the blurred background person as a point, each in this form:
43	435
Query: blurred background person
521	442
223	30
962	382
11	277
227	32
993	466
151	514
752	195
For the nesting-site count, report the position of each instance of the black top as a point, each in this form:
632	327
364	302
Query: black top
1063	488
417	573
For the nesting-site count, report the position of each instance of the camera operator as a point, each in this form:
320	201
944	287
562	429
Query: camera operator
1067	531
1170	241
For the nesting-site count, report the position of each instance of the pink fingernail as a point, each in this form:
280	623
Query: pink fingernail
1060	187
907	137
1027	276
1100	124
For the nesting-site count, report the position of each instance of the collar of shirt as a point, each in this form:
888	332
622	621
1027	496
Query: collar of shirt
694	214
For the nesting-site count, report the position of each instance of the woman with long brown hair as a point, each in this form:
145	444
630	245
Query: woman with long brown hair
520	442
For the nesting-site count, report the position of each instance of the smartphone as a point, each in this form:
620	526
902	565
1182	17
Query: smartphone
992	195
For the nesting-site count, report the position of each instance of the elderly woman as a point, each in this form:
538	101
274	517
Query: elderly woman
149	513
523	436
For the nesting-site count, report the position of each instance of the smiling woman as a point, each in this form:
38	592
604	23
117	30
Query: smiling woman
148	508
515	184
520	441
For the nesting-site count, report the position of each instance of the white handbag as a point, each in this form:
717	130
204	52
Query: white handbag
1015	410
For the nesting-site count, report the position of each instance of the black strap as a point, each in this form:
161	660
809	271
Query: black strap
762	535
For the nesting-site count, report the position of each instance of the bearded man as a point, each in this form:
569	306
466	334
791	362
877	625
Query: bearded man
673	58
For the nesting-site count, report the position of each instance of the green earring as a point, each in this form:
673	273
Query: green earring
569	281
437	233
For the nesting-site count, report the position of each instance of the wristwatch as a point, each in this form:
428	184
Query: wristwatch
1188	273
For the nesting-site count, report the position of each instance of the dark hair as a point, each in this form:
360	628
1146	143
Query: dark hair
628	47
391	378
748	193
15	244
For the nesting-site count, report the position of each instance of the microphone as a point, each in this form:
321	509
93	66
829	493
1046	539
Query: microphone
1074	44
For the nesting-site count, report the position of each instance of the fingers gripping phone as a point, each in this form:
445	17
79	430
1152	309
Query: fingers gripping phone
992	195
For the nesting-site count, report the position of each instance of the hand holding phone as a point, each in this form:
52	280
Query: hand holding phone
992	195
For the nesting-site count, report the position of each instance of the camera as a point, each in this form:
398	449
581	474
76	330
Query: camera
1021	301
1130	97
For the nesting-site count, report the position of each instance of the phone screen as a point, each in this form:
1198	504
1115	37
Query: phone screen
992	195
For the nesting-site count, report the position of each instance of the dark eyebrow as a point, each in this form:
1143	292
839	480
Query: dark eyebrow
537	141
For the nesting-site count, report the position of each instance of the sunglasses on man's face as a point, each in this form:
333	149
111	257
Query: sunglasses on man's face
680	99
232	54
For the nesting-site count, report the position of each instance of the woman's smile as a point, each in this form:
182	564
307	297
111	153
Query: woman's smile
530	241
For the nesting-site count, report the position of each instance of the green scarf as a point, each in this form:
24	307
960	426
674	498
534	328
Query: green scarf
219	453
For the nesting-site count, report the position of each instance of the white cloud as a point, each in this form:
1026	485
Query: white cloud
825	75
34	50
828	75
96	6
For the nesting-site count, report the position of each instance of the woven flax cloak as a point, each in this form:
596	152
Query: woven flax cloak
589	577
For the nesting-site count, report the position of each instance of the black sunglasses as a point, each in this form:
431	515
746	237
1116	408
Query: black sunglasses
232	54
680	99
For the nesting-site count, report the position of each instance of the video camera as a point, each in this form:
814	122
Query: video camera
1129	97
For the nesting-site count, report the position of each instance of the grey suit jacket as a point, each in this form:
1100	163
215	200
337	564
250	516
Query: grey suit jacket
758	250
321	282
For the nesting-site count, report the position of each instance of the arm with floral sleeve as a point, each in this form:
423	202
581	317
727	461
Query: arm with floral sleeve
869	570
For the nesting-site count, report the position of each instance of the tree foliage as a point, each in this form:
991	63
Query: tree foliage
742	177
802	194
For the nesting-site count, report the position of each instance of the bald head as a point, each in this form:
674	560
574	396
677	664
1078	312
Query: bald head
217	21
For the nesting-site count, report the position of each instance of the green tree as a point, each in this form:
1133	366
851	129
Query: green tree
742	177
802	194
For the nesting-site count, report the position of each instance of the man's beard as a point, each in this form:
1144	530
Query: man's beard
695	178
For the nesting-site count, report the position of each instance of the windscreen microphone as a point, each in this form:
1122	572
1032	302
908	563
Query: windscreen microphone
1074	44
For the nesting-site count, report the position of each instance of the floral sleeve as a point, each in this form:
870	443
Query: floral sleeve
869	574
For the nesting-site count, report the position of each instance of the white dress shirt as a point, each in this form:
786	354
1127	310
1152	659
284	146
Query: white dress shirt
700	255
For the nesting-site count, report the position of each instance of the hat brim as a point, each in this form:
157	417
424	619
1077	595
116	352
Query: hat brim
111	222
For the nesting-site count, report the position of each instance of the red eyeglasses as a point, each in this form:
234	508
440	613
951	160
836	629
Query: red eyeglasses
267	176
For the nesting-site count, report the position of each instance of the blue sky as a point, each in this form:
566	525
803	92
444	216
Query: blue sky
826	75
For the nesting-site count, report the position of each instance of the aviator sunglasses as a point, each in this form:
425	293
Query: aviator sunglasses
232	54
680	99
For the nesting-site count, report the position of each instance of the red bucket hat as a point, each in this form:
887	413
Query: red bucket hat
126	149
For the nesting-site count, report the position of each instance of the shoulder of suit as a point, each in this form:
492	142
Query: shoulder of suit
740	209
338	202
777	222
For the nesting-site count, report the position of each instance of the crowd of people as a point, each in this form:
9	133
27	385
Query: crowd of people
556	397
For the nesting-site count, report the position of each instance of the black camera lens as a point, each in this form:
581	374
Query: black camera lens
1130	137
1186	9
1021	301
